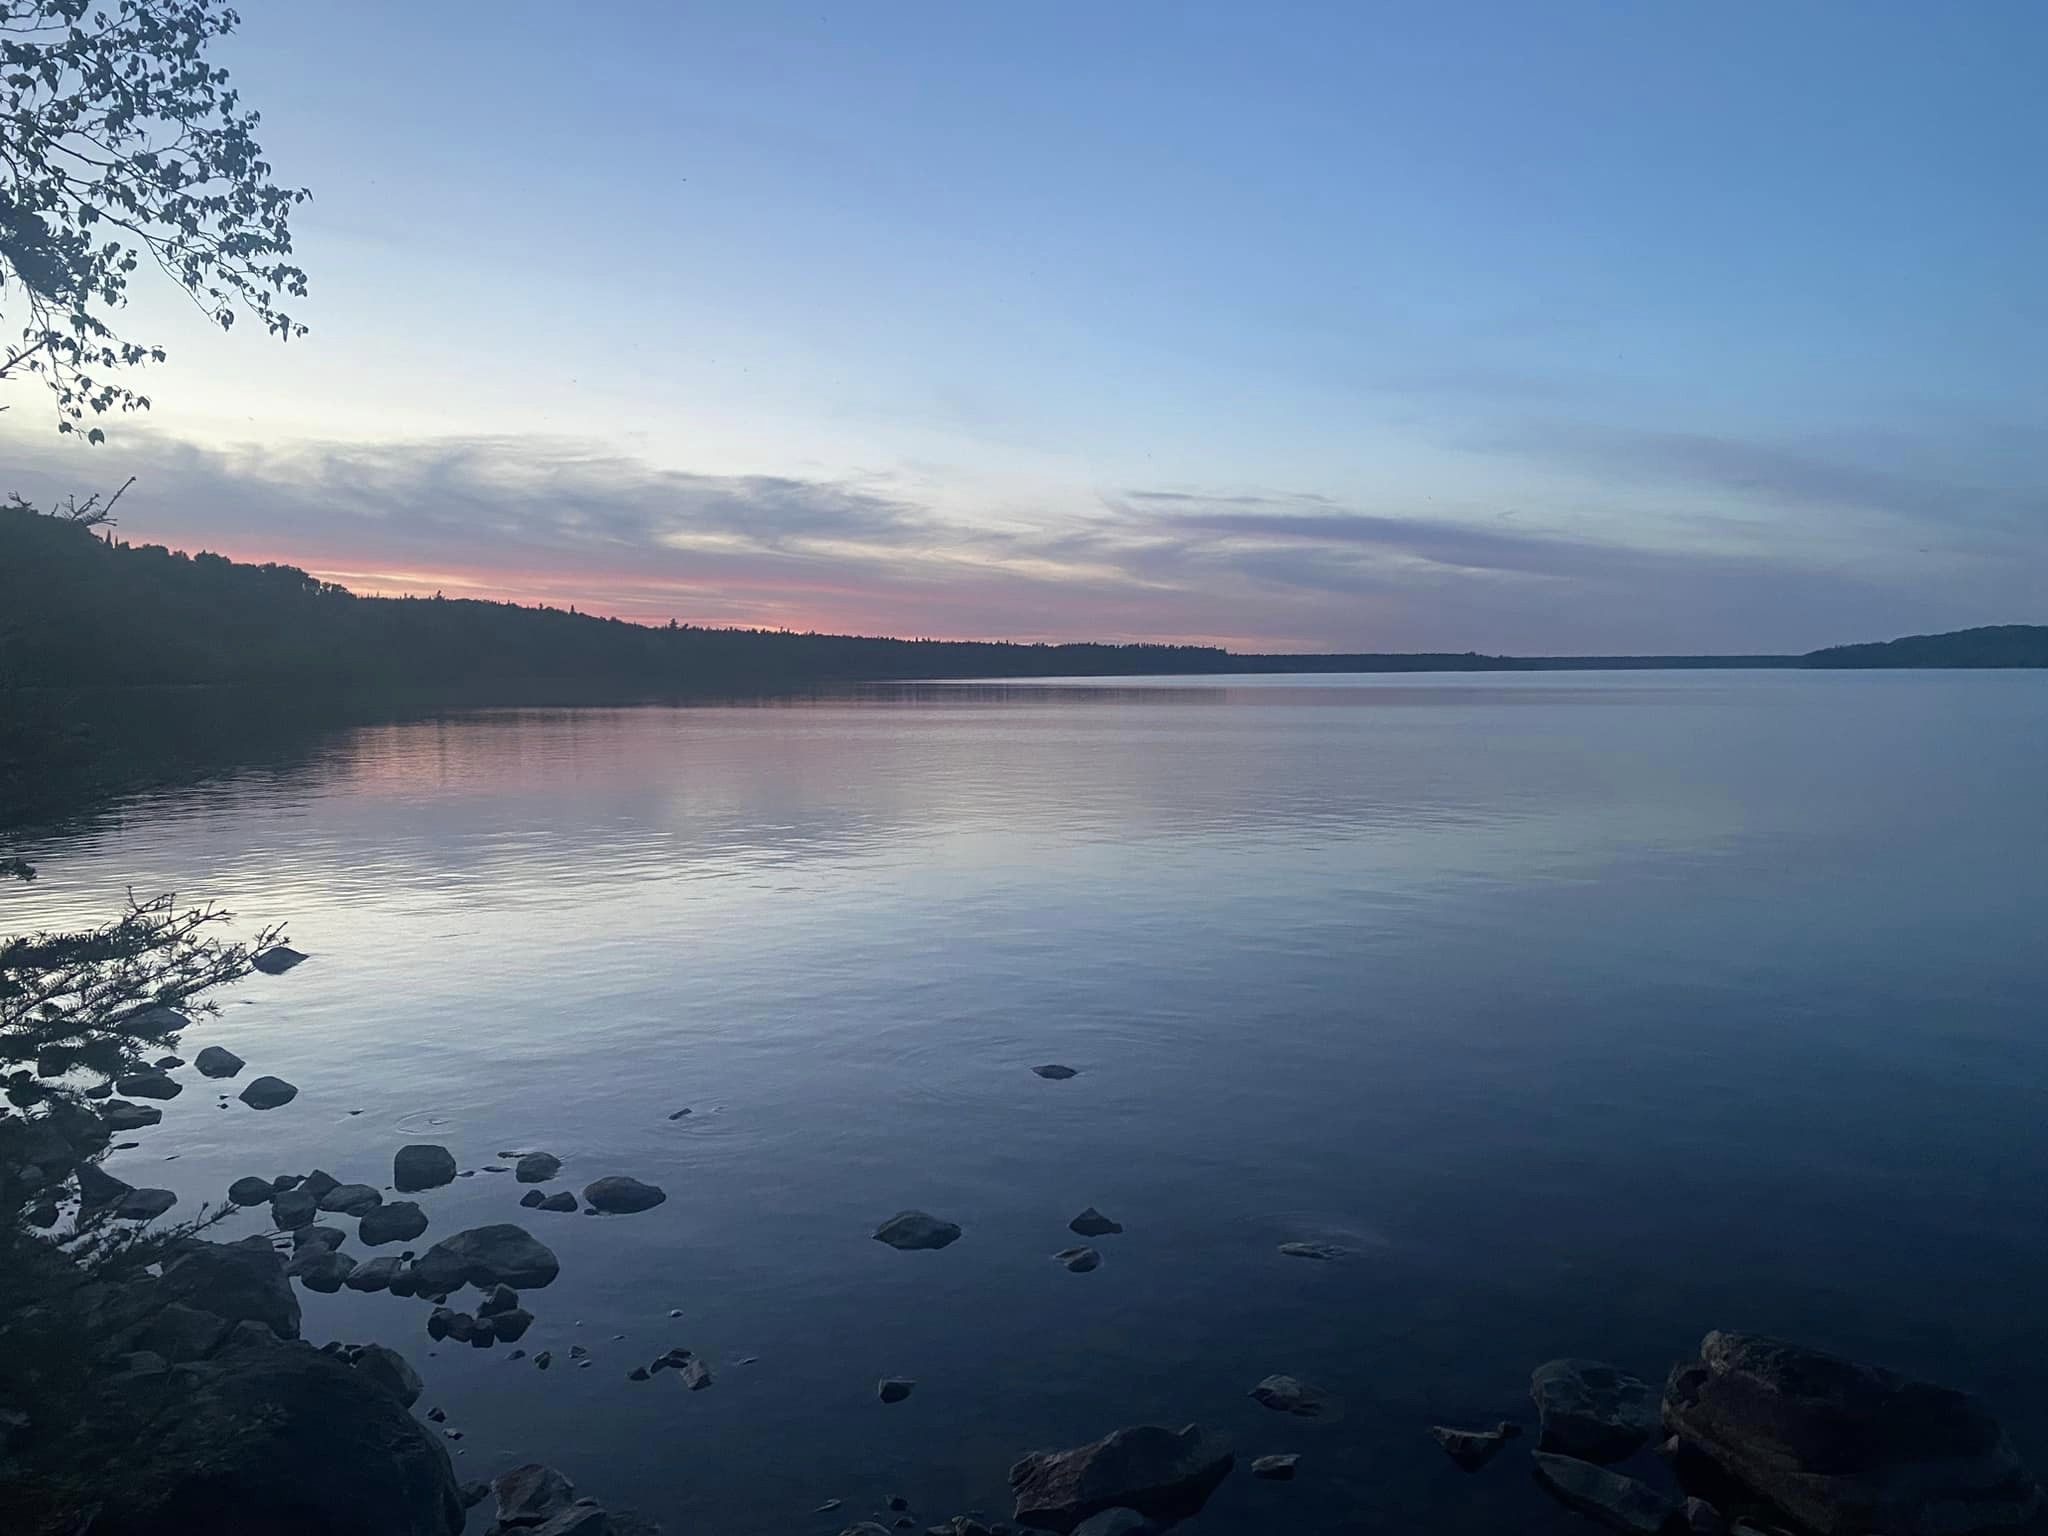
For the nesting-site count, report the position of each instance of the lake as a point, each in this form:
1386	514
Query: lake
1587	1012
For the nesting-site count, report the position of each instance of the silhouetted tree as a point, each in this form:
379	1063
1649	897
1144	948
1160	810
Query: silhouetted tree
120	142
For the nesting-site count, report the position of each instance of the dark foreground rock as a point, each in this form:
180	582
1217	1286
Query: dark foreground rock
216	1061
1473	1448
1619	1502
423	1165
487	1256
538	1501
915	1229
1591	1410
618	1195
268	1093
242	1281
391	1371
1161	1473
1849	1449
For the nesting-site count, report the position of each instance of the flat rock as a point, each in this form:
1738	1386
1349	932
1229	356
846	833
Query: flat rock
217	1061
1592	1410
268	1093
1079	1260
250	1190
1053	1071
1473	1448
487	1256
915	1229
351	1199
277	959
536	1167
374	1275
1622	1503
1849	1449
1092	1223
1161	1473
120	1115
422	1165
238	1281
1276	1469
1290	1394
618	1195
149	1085
391	1371
893	1389
393	1221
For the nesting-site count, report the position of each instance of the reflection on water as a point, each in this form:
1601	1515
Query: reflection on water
1587	1011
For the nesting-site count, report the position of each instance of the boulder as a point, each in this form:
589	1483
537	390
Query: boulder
328	1238
1092	1223
914	1229
394	1221
618	1195
180	1333
318	1183
695	1374
1473	1448
1290	1394
501	1299
487	1256
268	1093
277	959
351	1199
560	1200
391	1371
238	1281
375	1275
250	1190
321	1269
120	1115
1849	1449
1591	1410
144	1204
1161	1473
214	1061
422	1165
98	1187
536	1167
532	1198
149	1085
1622	1503
530	1494
293	1208
511	1324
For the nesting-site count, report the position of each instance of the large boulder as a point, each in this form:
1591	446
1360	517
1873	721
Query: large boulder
423	1165
1849	1449
237	1281
391	1371
1591	1410
1162	1473
487	1256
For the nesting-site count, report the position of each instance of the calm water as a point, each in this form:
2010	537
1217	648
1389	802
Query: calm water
1589	1011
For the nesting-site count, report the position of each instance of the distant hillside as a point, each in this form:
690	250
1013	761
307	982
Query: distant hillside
1995	645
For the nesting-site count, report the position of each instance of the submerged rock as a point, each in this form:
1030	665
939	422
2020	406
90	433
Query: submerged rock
915	1229
277	959
250	1190
422	1165
893	1389
1079	1260
1092	1223
1055	1072
1161	1473
149	1085
1277	1469
487	1256
1474	1448
216	1061
1306	1250
268	1093
618	1195
1290	1394
1623	1503
536	1167
351	1199
1849	1449
394	1221
1591	1410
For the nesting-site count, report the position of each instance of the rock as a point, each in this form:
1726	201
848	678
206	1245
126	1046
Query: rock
285	1181
680	1114
543	1360
1849	1449
329	1238
99	1090
159	1020
41	1212
149	1085
914	1229
214	1061
403	1281
512	1324
696	1375
530	1494
1092	1223
268	1093
1620	1502
1055	1072
560	1200
487	1256
1110	1522
618	1195
277	959
293	1208
484	1334
1289	1394
531	1198
474	1494
1277	1469
351	1199
120	1115
98	1187
144	1204
318	1183
391	1371
536	1167
422	1165
1161	1473
1323	1251
376	1275
1473	1448
168	1063
238	1281
394	1221
438	1322
180	1333
639	1373
1702	1519
1079	1260
461	1327
893	1389
321	1269
1591	1410
582	1518
502	1299
250	1190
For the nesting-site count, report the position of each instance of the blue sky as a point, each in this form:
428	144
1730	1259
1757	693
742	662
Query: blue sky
1562	327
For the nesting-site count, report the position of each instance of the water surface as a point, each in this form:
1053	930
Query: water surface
1588	1011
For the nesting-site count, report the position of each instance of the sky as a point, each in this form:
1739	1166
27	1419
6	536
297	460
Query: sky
1562	328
